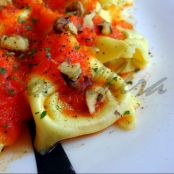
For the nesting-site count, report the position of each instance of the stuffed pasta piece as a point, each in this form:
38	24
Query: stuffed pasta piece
106	28
74	90
71	93
71	56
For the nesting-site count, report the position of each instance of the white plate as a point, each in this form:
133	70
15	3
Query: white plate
19	158
150	147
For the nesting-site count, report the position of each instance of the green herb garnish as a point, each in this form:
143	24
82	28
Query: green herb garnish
5	126
47	49
129	82
15	66
32	52
34	20
48	54
11	92
126	113
58	108
28	27
21	21
5	37
14	78
3	70
43	114
95	69
77	47
21	56
109	83
114	78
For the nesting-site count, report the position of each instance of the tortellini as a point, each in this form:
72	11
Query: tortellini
111	57
109	49
87	50
123	56
57	125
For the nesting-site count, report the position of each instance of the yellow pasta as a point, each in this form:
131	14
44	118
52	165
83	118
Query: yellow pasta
73	57
123	56
109	49
112	57
57	126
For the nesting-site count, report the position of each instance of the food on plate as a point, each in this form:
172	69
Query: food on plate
64	64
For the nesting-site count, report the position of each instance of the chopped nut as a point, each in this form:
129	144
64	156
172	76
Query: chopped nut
88	20
75	8
72	28
73	71
93	96
63	25
14	43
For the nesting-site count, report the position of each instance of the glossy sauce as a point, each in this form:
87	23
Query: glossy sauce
61	49
15	67
47	51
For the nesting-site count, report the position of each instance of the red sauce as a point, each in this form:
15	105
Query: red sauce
14	108
62	49
125	25
91	5
87	37
47	51
56	4
115	33
15	67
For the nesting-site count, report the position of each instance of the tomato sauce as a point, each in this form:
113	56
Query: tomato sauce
14	108
46	52
15	67
61	49
56	4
